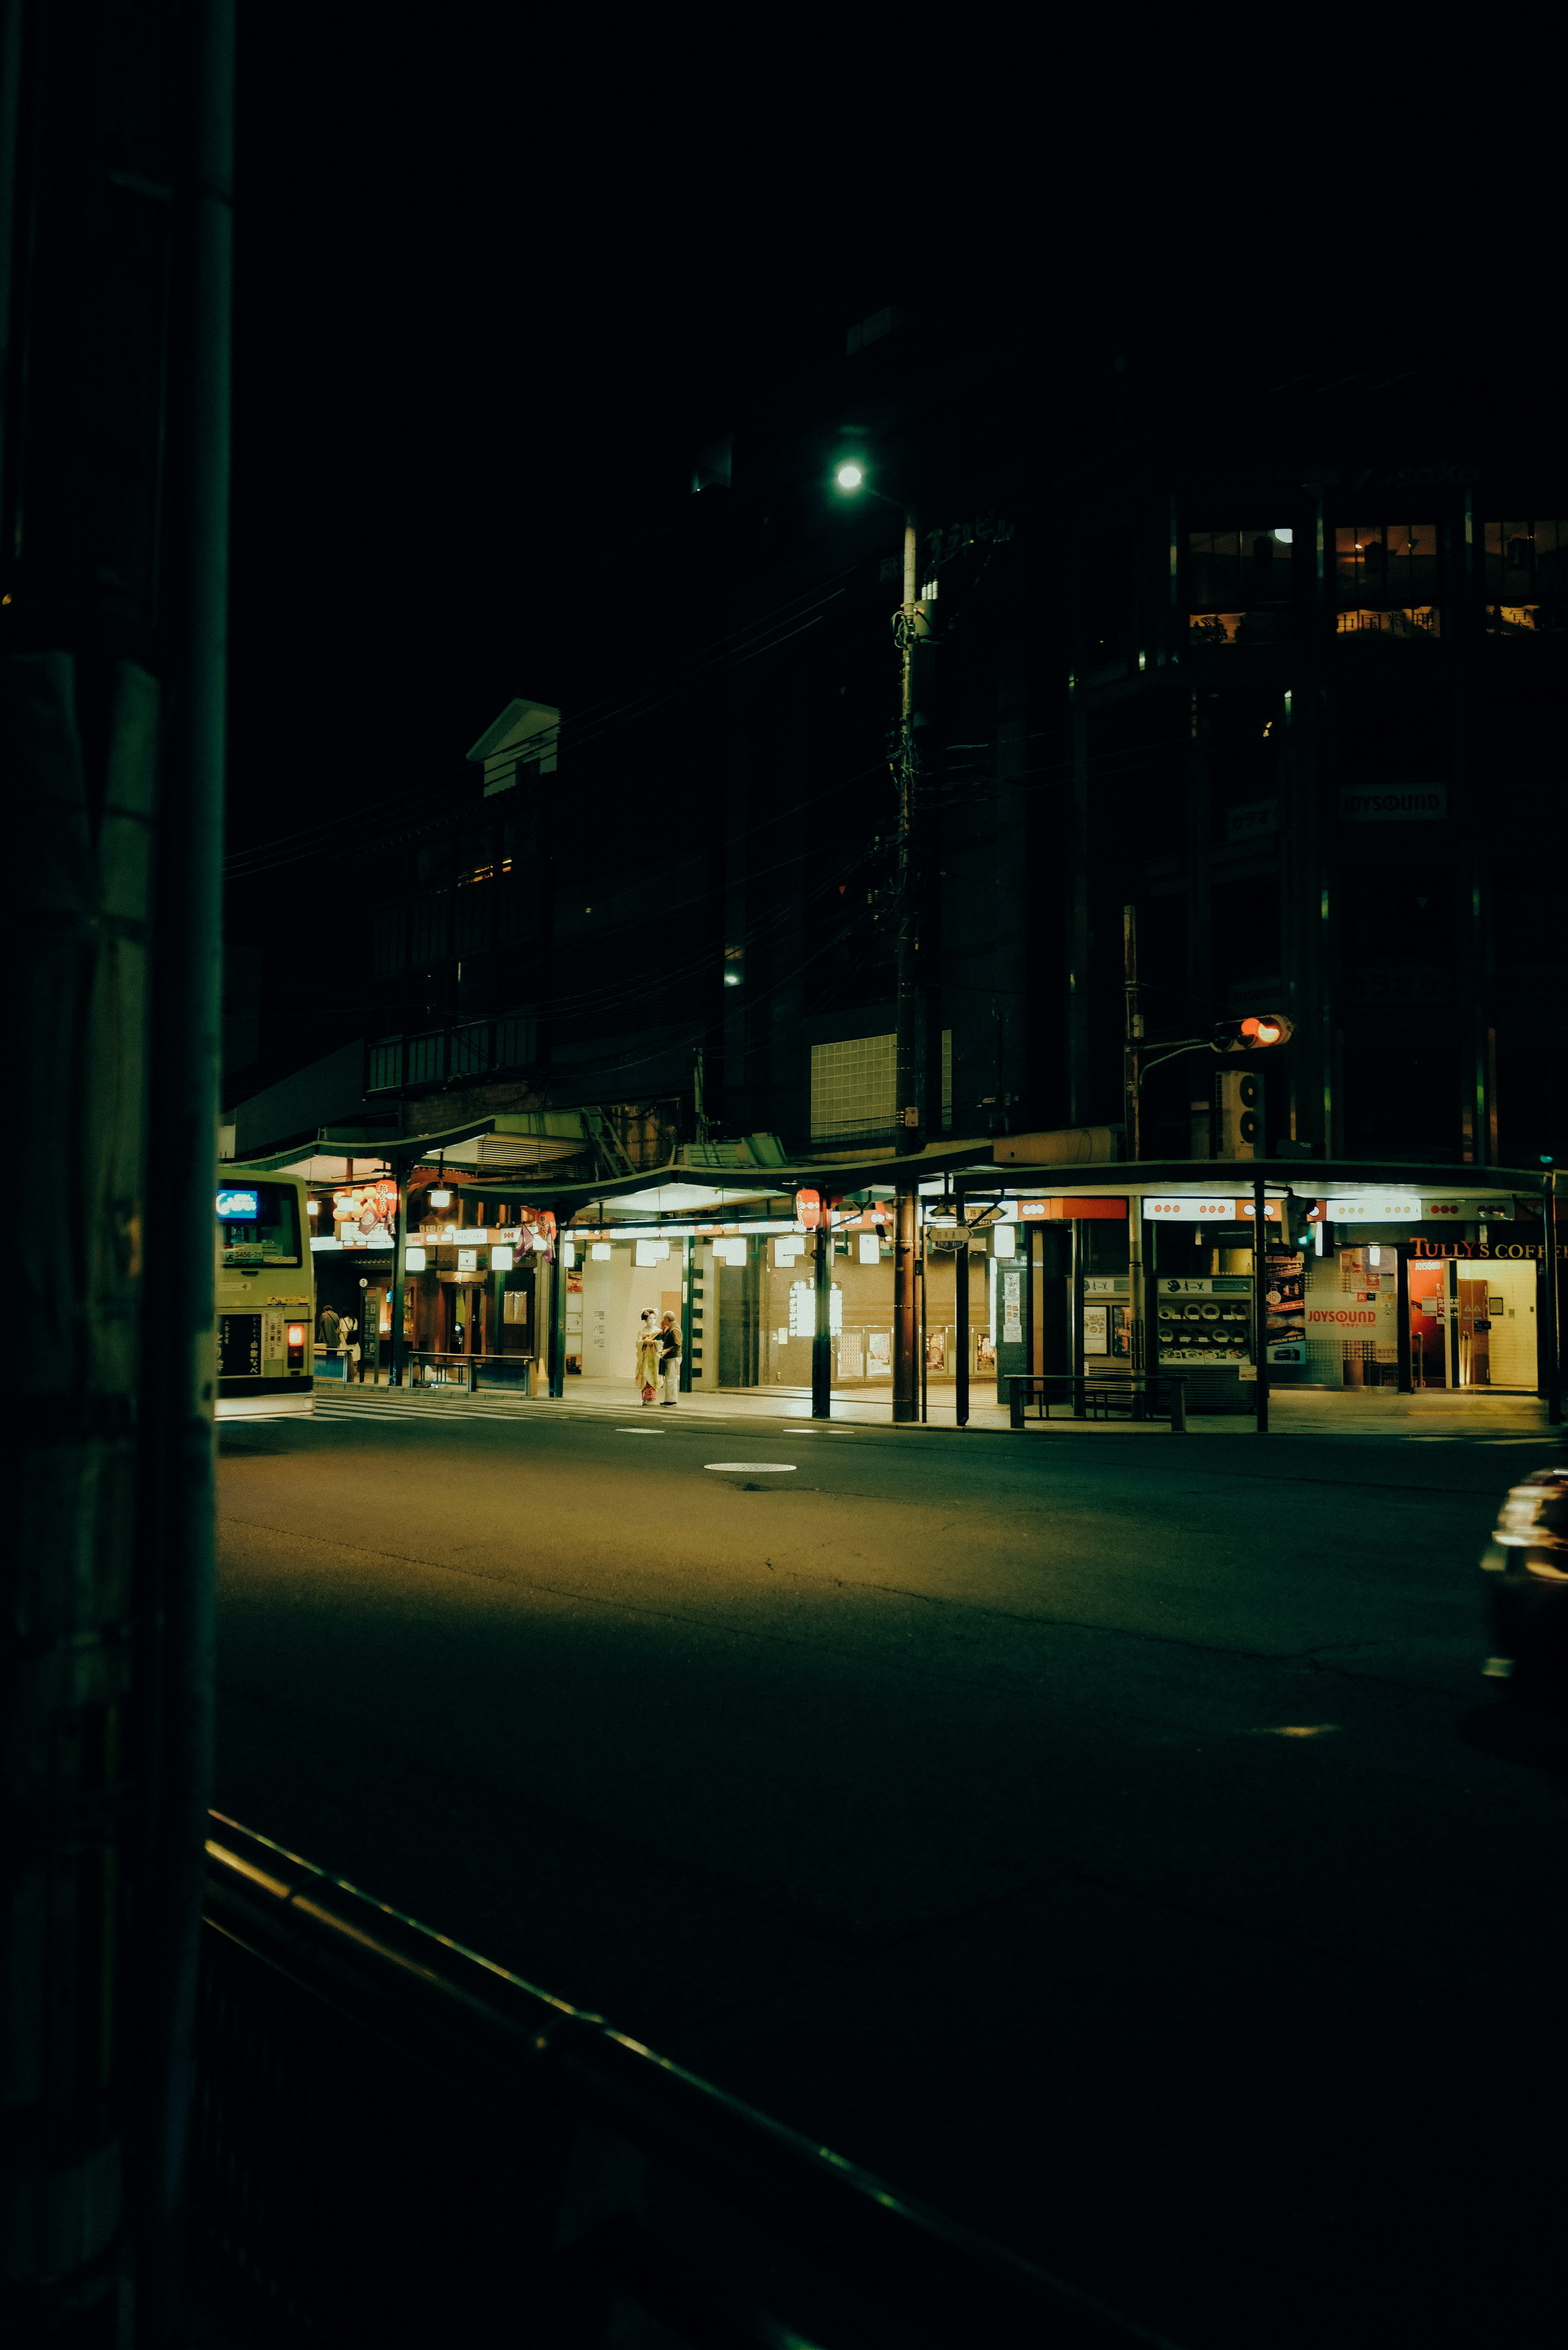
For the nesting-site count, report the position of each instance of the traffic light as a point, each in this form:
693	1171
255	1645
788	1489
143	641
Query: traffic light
1239	1101
1297	1218
1256	1033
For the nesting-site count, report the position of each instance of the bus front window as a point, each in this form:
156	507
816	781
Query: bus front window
258	1224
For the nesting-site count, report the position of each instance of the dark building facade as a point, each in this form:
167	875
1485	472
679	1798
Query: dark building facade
1317	679
1292	687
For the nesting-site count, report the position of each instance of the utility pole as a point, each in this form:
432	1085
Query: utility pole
698	1104
1260	1302
1132	1046
114	318
555	1343
1550	1300
909	1041
822	1328
960	1313
396	1357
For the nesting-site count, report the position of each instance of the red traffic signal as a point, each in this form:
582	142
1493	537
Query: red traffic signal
1256	1033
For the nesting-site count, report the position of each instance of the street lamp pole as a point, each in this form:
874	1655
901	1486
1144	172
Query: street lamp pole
1550	1300
1132	1047
910	1041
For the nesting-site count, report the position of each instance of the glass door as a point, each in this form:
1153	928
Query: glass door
1428	1325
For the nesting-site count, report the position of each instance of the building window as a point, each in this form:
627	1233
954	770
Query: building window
1526	576
1387	574
1239	585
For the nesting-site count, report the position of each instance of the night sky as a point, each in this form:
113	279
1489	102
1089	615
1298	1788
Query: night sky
500	274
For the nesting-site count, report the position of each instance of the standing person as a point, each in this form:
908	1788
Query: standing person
670	1360
347	1328
327	1327
646	1357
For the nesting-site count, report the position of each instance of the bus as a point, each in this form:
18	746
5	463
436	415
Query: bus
266	1295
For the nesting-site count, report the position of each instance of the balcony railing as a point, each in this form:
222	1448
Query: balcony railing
469	1048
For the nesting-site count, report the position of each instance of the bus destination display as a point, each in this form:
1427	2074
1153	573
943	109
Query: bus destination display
258	1224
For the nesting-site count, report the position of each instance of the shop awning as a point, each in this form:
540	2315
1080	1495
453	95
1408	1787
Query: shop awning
398	1151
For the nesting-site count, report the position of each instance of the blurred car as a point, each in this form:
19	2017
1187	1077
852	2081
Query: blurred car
1524	1568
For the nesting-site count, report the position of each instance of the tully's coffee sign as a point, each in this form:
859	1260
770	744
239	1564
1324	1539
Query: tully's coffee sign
1392	803
1481	1248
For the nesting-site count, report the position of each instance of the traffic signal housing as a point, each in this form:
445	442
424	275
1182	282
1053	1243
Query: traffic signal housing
1258	1033
1297	1218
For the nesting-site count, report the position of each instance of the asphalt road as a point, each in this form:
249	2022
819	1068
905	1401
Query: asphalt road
1105	1836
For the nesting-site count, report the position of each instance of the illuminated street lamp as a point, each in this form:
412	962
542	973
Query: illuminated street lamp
908	623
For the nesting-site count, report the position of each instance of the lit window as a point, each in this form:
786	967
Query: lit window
1239	585
1387	578
1526	576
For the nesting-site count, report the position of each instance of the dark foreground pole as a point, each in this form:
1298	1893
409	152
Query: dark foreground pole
1260	1304
178	1448
961	1318
906	1401
1551	1301
399	1274
822	1323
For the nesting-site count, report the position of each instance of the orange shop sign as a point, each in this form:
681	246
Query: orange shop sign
1207	1211
1074	1211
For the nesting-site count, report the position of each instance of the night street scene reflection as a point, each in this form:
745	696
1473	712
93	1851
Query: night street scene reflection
790	1531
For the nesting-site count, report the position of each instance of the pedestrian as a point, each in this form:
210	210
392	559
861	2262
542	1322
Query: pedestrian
330	1318
670	1360
646	1357
348	1330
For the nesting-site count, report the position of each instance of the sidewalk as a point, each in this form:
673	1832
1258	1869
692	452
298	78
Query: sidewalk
1472	1416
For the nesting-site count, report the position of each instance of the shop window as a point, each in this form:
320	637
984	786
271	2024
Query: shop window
1526	576
1387	578
1239	585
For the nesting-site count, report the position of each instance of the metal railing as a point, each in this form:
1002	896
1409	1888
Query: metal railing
1138	1396
398	2144
426	1366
